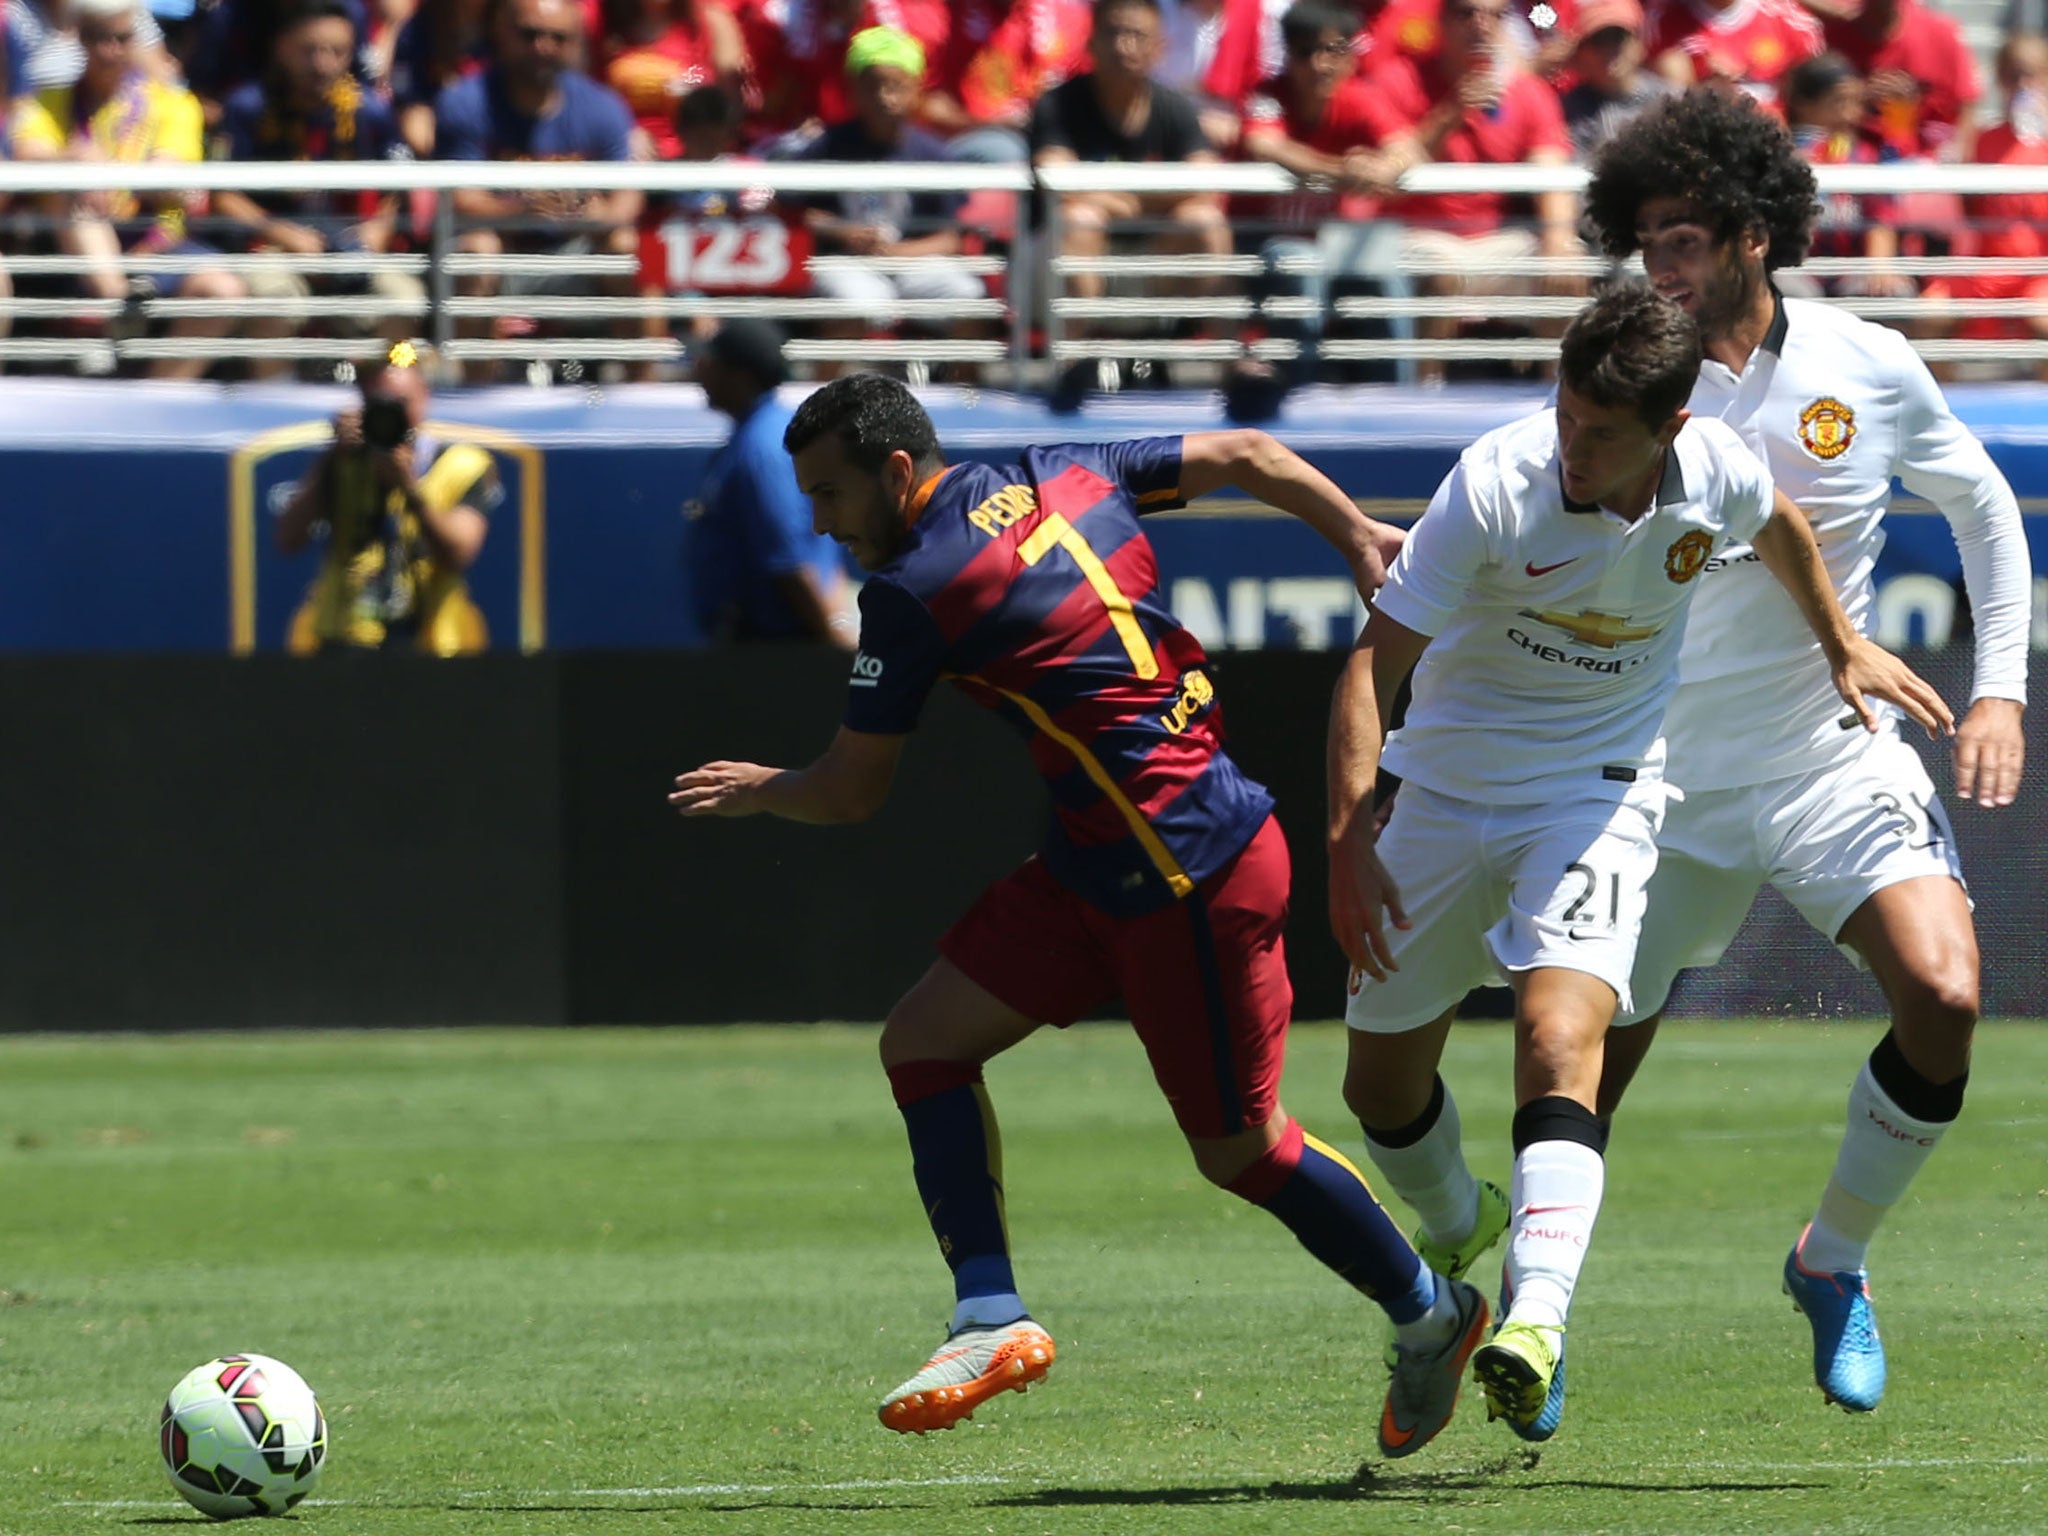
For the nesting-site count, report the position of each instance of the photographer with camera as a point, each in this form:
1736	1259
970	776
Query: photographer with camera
404	518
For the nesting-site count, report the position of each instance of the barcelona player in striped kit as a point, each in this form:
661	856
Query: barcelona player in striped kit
1163	880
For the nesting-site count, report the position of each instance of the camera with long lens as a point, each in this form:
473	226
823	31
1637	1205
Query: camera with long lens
386	422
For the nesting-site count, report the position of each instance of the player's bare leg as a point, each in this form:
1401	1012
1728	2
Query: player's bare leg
933	1047
1622	1055
1561	1019
1919	942
1418	1146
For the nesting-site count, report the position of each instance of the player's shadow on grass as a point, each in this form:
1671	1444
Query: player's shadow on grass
1371	1484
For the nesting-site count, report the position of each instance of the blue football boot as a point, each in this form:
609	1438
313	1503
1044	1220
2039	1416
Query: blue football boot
1848	1356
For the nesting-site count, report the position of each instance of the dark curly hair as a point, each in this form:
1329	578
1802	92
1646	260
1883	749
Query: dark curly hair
1721	152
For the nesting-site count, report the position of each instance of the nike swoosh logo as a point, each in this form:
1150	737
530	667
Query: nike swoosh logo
1545	1210
1544	570
1392	1435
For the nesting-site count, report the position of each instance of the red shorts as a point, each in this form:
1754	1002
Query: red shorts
1205	980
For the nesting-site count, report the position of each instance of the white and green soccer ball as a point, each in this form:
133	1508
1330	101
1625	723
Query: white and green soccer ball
243	1435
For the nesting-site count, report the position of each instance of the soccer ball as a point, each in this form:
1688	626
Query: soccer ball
243	1435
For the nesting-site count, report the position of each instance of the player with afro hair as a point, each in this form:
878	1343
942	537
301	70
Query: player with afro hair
1724	155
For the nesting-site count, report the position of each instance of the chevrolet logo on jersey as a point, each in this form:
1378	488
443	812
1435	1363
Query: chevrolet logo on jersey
1606	630
1827	428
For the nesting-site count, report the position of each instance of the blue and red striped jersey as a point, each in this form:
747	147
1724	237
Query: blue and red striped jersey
1033	589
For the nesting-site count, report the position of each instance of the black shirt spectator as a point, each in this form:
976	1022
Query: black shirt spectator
881	203
1070	117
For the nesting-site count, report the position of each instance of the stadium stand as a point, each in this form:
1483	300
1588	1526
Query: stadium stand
715	129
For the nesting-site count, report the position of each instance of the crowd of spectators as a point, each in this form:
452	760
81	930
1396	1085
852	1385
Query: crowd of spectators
1345	95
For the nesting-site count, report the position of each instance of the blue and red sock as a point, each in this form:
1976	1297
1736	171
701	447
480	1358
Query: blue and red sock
1324	1201
956	1156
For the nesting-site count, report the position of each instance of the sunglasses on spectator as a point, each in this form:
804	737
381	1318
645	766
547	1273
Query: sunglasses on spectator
531	35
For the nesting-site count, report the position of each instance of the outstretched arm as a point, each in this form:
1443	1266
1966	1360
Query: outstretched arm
1262	466
1359	884
849	783
1860	665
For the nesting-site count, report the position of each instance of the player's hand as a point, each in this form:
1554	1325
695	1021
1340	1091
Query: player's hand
720	789
1867	670
1991	749
394	468
1369	564
1360	890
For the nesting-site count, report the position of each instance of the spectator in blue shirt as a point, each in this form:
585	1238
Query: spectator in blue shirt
531	104
308	106
758	569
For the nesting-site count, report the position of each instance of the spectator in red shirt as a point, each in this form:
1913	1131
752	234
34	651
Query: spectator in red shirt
655	52
1318	119
1000	57
1473	104
798	48
1540	33
1923	88
1739	44
2007	224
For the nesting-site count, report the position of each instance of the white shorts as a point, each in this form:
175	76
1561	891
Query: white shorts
1828	841
932	278
1492	890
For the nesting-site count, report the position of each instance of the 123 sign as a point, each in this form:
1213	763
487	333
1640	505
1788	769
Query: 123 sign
759	255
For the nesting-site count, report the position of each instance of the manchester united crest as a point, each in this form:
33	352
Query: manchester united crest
1688	557
1827	428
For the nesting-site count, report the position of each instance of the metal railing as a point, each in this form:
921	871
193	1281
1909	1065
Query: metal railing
1018	327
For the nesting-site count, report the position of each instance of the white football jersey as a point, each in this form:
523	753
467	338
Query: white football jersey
1555	627
1837	406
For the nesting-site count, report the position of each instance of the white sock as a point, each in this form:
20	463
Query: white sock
1431	1176
1557	1196
1882	1148
1434	1326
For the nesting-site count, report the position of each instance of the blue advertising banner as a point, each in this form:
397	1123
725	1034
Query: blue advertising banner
140	516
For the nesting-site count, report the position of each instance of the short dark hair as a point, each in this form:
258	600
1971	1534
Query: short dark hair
708	106
1632	346
1811	79
874	415
1724	154
1307	20
1102	8
296	13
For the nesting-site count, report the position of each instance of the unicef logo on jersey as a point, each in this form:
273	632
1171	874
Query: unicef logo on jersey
867	670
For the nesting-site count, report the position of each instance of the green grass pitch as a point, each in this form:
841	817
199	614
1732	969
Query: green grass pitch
620	1281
